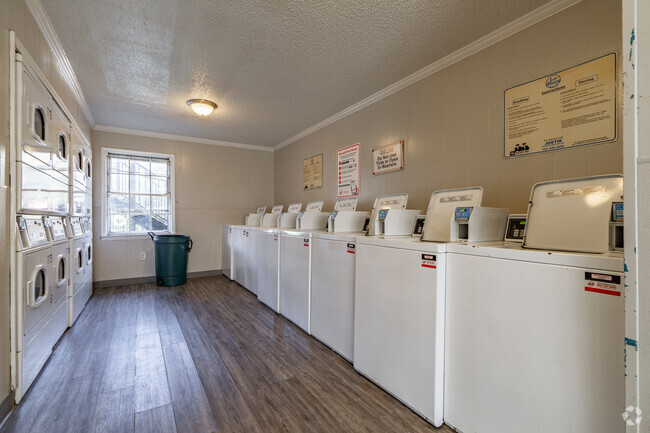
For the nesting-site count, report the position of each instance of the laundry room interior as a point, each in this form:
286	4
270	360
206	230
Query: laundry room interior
285	216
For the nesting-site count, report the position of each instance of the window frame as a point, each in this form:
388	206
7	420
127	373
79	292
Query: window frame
104	181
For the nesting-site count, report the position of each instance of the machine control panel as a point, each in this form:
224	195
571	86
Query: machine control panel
383	213
334	212
463	213
516	228
58	230
294	207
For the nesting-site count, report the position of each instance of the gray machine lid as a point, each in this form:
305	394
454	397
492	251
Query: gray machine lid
572	215
437	226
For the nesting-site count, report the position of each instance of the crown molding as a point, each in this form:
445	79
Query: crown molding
43	22
161	135
533	17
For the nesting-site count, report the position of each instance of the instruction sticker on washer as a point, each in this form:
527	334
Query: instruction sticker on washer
352	248
276	236
305	242
603	283
429	261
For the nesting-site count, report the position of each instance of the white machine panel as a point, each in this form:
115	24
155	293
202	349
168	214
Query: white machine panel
332	292
287	220
393	201
227	252
399	320
271	219
573	215
346	204
440	212
295	289
534	346
268	246
245	248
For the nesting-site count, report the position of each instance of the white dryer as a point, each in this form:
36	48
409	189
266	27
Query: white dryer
535	334
34	282
39	187
58	238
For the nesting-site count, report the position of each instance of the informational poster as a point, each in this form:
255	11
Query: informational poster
388	158
312	172
570	108
347	162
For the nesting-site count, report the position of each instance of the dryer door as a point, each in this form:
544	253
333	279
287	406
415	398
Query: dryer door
37	279
36	118
60	269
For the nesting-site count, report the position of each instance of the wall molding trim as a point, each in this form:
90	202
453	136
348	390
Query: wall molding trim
533	17
43	22
189	139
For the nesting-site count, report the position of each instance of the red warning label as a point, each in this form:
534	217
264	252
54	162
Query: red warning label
429	261
305	242
603	283
352	248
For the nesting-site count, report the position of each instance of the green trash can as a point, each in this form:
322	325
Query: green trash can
171	258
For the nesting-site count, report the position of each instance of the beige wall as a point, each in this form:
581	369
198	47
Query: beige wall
14	15
452	122
215	185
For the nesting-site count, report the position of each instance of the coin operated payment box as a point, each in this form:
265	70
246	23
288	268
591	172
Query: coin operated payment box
478	224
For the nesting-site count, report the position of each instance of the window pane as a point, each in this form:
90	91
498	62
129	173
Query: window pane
159	167
140	223
140	204
159	185
118	183
118	164
139	165
118	224
140	184
118	203
160	222
160	204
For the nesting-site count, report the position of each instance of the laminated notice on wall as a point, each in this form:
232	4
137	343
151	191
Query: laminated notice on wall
312	172
347	163
570	108
388	158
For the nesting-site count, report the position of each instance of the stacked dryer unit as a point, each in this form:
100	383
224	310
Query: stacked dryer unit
41	153
332	278
80	226
535	333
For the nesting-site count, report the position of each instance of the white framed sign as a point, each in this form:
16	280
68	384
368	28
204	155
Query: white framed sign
388	158
312	172
570	108
347	163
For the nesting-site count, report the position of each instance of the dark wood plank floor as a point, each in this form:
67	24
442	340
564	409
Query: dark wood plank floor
203	357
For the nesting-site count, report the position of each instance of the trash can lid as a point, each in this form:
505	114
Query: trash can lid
171	239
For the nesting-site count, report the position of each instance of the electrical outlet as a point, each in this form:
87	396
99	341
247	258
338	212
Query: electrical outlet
143	255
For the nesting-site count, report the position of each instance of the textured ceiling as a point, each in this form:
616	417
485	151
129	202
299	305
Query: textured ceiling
274	68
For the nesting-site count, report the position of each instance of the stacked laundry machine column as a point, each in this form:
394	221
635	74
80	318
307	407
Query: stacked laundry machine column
41	152
80	233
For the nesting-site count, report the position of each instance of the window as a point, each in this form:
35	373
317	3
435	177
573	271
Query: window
138	193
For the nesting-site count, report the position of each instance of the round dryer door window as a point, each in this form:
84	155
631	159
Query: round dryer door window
89	253
39	123
88	169
60	271
80	160
80	259
39	285
63	147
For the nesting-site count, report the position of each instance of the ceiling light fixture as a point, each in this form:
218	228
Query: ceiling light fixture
202	107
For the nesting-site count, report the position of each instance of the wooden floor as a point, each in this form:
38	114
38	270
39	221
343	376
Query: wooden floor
203	357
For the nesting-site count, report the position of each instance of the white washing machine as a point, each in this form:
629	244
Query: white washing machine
332	278
78	268
399	316
227	262
295	265
35	279
55	228
535	336
245	256
268	278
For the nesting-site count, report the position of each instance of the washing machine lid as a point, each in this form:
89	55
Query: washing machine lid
346	204
572	215
442	205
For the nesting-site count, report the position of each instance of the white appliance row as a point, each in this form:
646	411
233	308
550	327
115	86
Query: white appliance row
484	335
53	212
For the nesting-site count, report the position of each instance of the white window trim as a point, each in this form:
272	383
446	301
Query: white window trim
104	177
